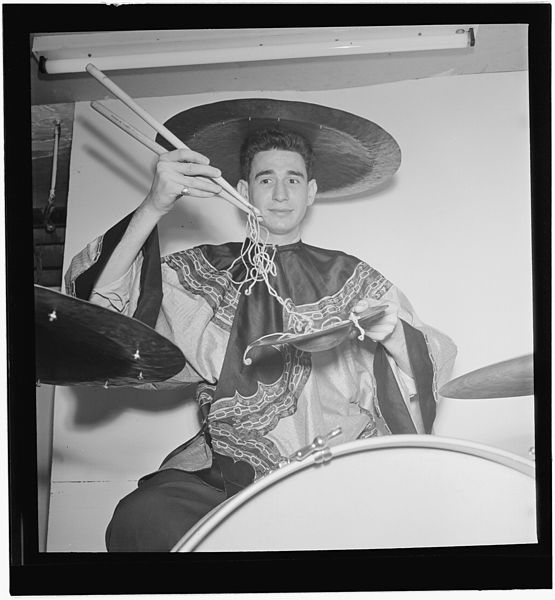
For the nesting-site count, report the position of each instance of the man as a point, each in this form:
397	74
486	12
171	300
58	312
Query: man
256	415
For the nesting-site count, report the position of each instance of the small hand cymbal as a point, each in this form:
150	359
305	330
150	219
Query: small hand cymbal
79	343
323	339
514	377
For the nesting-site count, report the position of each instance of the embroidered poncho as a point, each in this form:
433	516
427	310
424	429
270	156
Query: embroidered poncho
261	413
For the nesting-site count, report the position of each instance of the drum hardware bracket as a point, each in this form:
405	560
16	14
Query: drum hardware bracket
322	456
318	447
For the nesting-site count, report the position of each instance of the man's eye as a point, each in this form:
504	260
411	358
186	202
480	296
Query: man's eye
293	180
265	180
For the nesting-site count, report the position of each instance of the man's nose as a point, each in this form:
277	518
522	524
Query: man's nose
280	192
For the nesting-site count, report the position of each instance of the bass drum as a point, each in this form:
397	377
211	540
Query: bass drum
397	491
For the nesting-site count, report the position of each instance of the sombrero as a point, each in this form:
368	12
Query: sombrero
352	155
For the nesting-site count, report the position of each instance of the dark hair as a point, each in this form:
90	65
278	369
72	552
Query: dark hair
274	139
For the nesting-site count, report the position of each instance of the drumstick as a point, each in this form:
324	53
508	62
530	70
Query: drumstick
135	133
146	141
161	129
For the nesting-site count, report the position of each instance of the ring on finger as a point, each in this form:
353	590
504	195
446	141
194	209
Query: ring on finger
185	191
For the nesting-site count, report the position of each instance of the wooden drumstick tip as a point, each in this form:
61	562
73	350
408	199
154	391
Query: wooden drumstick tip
90	68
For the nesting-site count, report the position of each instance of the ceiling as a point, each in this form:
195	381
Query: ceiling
498	48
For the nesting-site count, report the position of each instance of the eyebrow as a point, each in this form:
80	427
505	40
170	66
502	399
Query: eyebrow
271	172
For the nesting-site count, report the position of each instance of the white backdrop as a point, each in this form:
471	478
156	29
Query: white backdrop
452	231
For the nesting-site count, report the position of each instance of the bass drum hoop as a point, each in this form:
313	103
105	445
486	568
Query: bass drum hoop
210	521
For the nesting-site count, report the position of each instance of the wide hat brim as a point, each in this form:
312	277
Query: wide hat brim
352	155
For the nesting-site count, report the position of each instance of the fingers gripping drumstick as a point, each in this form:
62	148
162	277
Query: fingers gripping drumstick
162	130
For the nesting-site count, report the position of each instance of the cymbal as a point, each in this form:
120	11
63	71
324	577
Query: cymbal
318	341
514	377
79	343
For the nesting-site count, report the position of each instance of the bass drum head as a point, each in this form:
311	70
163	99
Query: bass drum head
395	492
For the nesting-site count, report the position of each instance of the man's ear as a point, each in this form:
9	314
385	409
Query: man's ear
243	188
312	189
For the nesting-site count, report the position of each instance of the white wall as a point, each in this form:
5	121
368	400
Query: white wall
453	231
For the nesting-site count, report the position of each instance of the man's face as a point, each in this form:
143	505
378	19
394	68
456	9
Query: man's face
278	186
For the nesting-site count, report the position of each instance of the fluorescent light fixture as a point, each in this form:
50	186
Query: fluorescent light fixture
114	50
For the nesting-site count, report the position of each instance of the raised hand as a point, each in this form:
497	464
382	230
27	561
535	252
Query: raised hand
181	173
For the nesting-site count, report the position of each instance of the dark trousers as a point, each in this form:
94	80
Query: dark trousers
164	506
167	503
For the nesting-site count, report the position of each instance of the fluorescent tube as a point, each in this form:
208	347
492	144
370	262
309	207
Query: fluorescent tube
70	53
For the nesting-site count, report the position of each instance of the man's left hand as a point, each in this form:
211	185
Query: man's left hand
382	328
